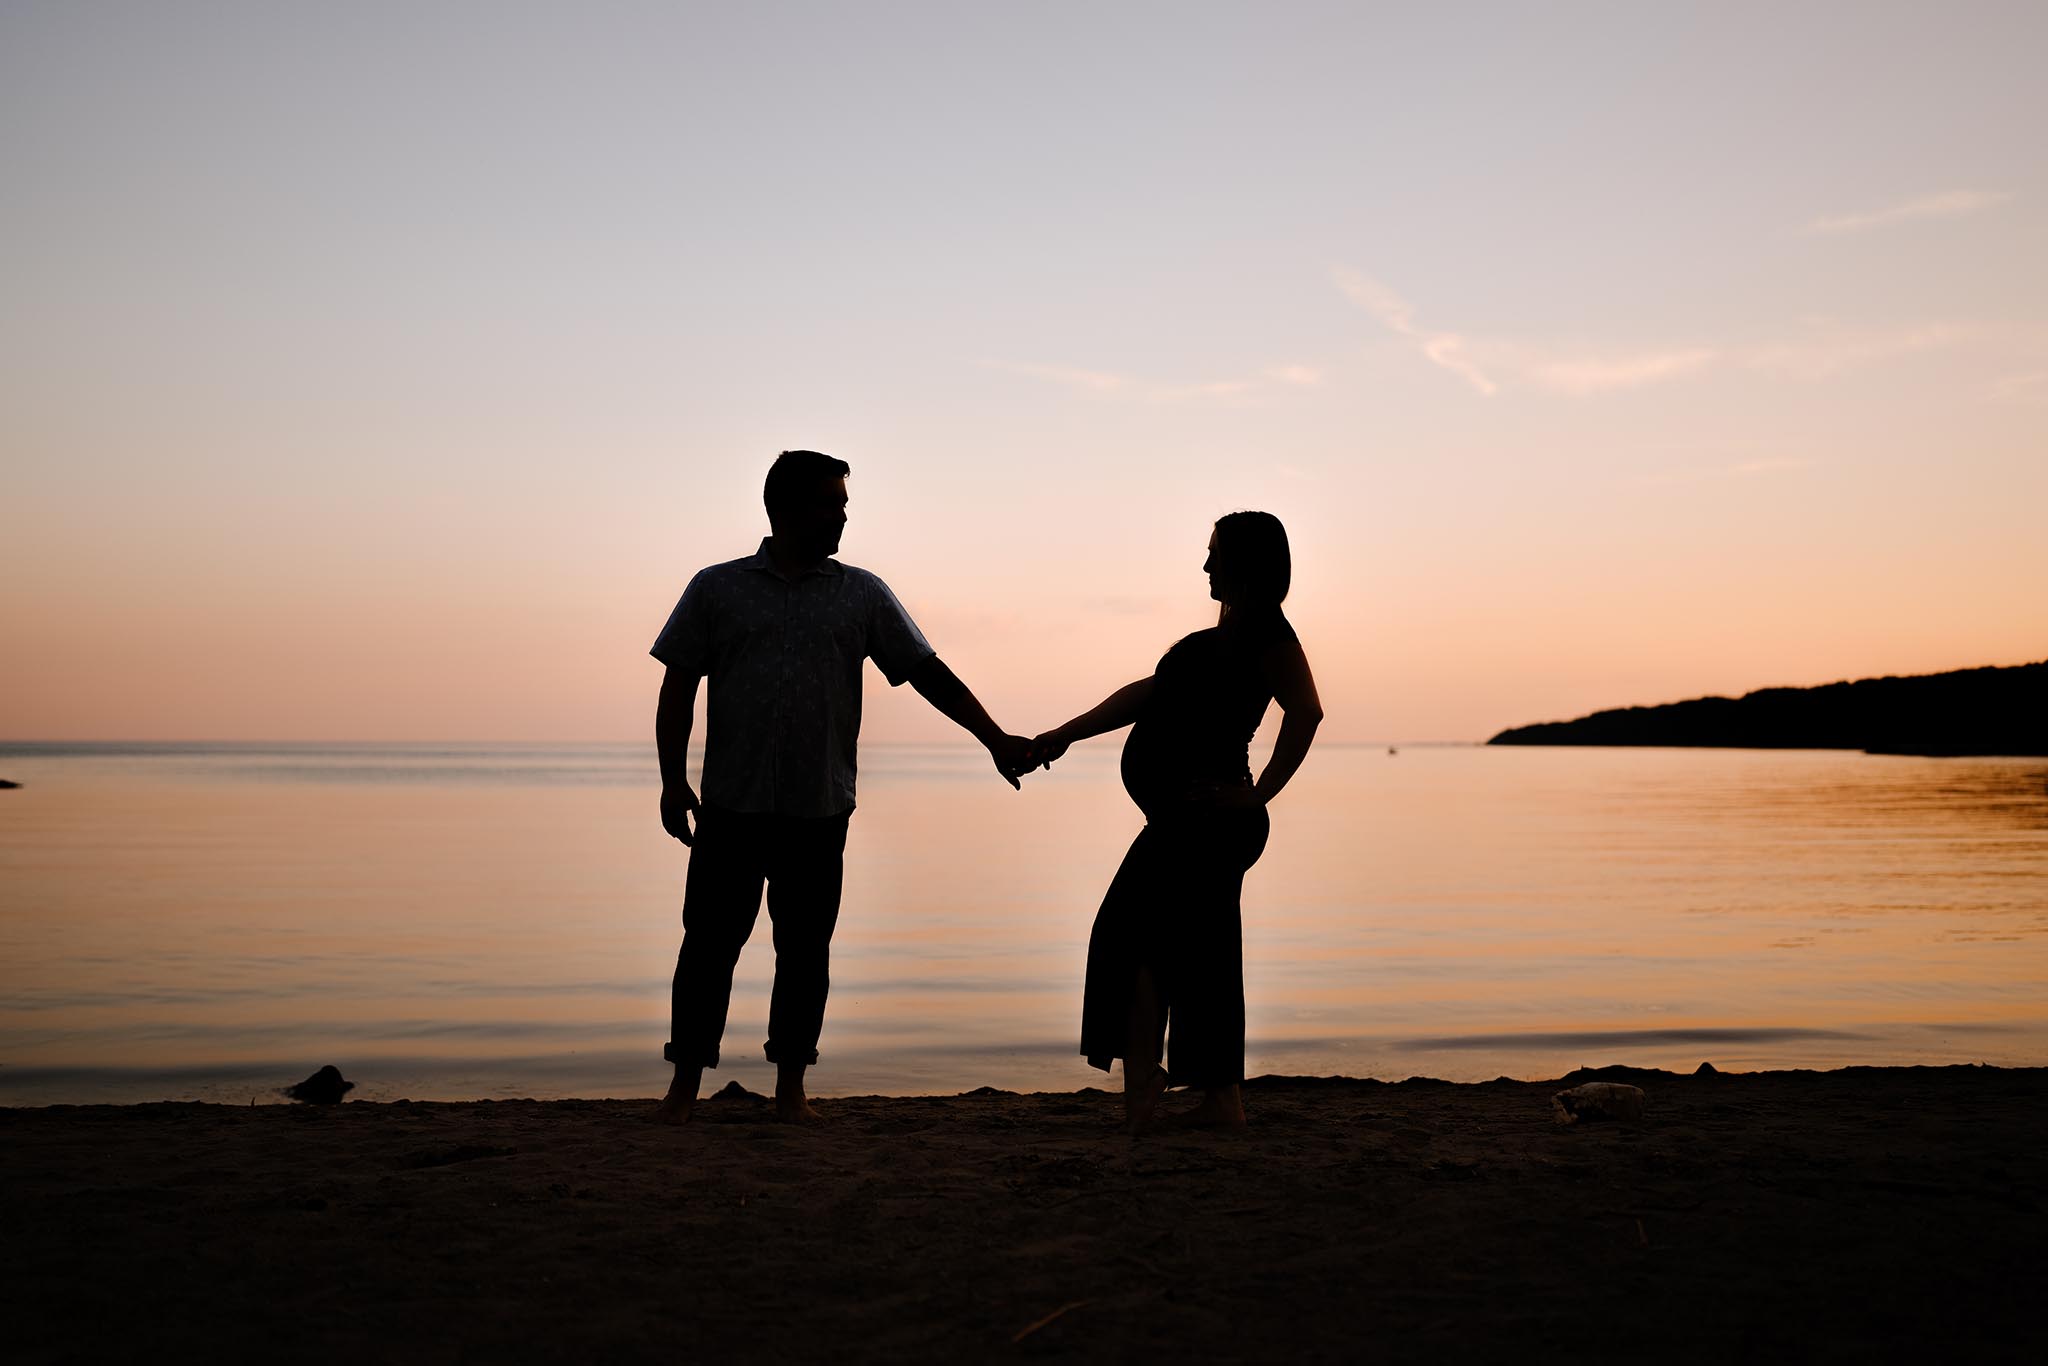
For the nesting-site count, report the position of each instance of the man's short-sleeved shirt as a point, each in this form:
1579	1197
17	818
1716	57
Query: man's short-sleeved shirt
783	659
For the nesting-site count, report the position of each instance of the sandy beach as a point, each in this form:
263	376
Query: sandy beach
1886	1212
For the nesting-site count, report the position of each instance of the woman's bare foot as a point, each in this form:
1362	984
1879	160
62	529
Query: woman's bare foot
1144	1084
1221	1108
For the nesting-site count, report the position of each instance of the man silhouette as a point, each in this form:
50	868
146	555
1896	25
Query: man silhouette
781	635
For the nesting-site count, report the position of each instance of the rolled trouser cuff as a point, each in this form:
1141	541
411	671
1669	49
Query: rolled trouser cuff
807	1056
685	1057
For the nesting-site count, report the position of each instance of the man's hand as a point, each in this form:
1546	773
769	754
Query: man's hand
1047	749
1013	756
678	805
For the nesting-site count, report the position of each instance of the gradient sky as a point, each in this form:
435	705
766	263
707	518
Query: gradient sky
382	371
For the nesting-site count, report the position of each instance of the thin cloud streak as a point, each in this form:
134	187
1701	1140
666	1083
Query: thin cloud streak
1832	352
1092	381
2033	385
1445	349
1823	352
1109	382
1595	375
1222	388
1575	375
1306	376
1948	204
1745	469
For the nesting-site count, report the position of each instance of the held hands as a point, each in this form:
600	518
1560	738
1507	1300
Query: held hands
1013	757
678	808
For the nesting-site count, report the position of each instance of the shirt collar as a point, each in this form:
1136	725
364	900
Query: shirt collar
761	561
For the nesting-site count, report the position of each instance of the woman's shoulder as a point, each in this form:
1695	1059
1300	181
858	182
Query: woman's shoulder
1261	628
1194	640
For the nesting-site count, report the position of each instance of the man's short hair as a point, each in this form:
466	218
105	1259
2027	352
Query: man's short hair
796	473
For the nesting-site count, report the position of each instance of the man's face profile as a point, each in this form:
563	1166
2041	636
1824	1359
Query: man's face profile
813	521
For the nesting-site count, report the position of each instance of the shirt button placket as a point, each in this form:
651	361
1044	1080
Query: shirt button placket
782	694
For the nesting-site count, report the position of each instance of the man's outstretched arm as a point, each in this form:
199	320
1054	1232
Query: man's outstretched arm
941	687
672	722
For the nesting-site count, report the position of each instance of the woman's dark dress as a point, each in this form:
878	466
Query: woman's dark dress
1173	905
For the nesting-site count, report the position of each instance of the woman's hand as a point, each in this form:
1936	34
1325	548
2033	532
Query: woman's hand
1048	746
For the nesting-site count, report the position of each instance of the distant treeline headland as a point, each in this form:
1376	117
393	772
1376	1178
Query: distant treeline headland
1969	711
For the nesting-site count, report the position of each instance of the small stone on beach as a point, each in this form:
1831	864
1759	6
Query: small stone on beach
732	1090
1599	1100
325	1087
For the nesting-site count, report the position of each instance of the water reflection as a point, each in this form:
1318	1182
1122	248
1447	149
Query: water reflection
1623	1038
453	920
1878	792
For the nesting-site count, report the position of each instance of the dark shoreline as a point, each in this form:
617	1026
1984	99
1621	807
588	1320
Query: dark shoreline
1865	1212
1993	712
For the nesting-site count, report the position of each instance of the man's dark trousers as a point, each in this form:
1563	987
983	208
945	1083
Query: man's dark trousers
802	860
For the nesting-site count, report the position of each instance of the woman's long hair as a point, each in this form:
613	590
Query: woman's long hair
1251	549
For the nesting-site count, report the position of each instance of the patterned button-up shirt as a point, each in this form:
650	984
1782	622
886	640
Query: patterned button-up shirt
784	660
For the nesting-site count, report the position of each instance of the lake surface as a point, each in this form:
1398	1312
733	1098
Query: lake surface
453	922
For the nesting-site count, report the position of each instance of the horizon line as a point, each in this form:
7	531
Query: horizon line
695	744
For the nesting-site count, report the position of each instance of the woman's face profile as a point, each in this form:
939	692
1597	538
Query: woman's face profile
1220	586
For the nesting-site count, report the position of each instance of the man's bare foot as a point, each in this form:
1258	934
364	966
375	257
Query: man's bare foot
790	1105
681	1099
673	1109
794	1110
1143	1087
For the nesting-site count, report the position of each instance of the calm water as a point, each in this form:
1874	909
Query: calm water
462	921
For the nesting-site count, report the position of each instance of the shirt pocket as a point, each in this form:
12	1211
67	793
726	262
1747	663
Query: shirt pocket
848	641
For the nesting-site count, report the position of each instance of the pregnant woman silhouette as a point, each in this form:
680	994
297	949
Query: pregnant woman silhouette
1166	957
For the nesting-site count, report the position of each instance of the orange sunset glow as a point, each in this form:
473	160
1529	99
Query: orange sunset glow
1362	504
407	417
